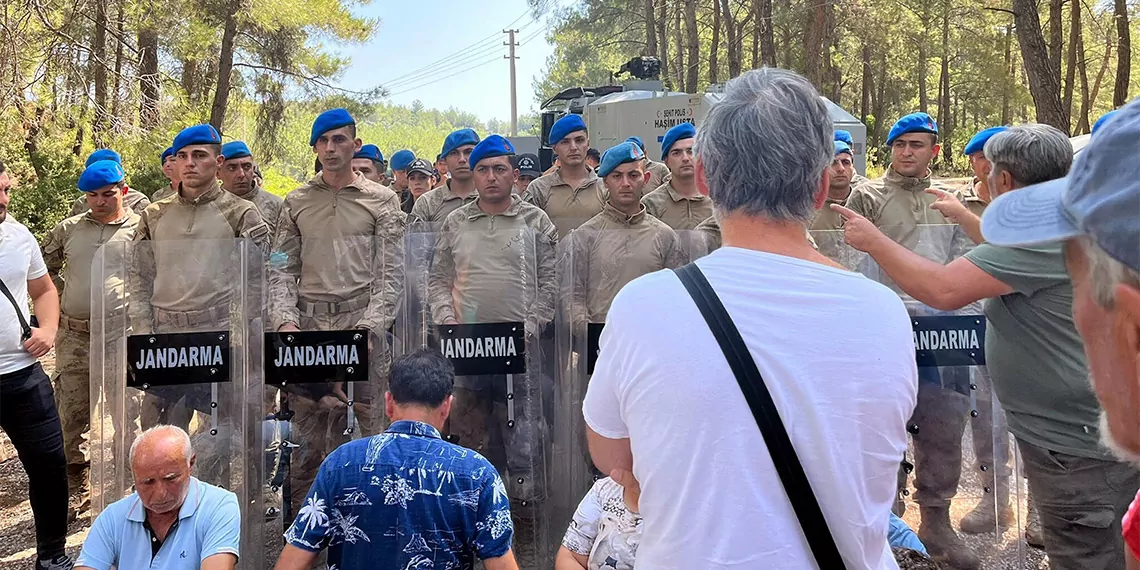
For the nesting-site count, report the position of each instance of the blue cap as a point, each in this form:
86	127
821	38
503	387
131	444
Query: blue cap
678	132
842	147
912	123
637	141
457	139
169	152
371	152
198	134
617	156
99	174
844	136
401	160
235	149
103	154
1102	120
490	147
569	124
329	120
1099	198
978	143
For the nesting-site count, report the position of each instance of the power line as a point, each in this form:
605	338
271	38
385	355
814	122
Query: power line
483	43
444	67
460	72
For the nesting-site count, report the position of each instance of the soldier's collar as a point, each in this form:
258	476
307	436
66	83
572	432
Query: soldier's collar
908	182
678	197
248	194
115	222
620	217
450	195
591	177
511	211
356	184
206	197
412	427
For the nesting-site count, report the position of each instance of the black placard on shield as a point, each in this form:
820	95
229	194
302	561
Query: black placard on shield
484	348
593	345
178	359
309	357
950	340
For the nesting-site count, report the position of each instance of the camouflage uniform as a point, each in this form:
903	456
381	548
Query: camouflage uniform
268	204
434	205
658	173
827	219
710	231
972	197
68	253
336	265
567	207
134	200
679	212
163	193
499	268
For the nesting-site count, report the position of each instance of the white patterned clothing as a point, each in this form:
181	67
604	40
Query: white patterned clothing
604	529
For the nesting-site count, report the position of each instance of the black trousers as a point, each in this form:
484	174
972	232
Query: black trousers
29	416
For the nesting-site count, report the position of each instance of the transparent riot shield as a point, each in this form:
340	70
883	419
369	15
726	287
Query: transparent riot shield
958	487
330	309
486	296
176	334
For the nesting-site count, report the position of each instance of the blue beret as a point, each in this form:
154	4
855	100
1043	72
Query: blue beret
1102	120
198	134
637	141
912	123
103	154
169	152
235	149
490	147
617	156
402	159
844	136
681	131
978	142
329	120
569	124
371	152
99	174
842	147
457	139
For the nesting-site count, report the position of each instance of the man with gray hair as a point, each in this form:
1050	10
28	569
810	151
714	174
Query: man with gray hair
172	520
1034	355
763	157
1094	212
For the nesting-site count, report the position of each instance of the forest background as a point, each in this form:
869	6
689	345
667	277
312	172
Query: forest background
76	75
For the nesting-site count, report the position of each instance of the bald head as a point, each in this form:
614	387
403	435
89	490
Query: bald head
161	460
162	443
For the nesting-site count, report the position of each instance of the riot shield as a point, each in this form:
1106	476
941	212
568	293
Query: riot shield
486	298
175	334
330	307
957	487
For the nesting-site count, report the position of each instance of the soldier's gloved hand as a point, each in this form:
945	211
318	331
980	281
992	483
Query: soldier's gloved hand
40	342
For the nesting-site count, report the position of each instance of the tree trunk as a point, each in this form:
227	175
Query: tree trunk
694	47
923	99
1123	53
813	45
663	42
714	47
1103	68
225	67
650	29
945	122
1073	55
1007	80
755	34
767	33
189	80
733	33
1082	70
679	68
1044	83
148	74
117	93
1056	35
867	83
97	63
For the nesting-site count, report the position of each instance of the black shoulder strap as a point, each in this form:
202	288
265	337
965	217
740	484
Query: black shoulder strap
25	329
784	457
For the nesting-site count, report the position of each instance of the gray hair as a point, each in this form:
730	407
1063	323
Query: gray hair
1031	153
1105	273
765	146
163	430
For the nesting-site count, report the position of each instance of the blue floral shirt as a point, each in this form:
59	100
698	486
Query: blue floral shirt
404	499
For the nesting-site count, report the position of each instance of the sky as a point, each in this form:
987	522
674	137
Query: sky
449	53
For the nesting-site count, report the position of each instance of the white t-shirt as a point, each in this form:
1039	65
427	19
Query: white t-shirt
20	260
837	354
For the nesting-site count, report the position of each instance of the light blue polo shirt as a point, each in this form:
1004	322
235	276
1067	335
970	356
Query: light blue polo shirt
209	523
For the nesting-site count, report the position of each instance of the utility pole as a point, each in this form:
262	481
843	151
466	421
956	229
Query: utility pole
514	96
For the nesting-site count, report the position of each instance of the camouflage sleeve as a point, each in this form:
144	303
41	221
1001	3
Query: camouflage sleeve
861	203
52	250
254	228
578	250
650	205
284	270
421	210
388	270
441	278
670	252
535	195
140	278
78	206
141	205
546	238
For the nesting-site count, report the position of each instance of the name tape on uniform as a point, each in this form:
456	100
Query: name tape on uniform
593	345
316	357
484	348
177	359
949	340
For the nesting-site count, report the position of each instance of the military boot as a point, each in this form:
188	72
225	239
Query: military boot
942	542
1034	536
991	513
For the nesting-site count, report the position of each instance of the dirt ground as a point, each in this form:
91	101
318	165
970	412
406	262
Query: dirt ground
17	533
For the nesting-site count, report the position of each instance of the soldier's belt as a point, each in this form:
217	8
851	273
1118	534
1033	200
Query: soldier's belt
193	318
76	325
310	308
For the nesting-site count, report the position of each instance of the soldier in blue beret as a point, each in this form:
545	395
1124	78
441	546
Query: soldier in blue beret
134	200
369	163
434	207
401	160
678	202
838	190
657	170
239	177
976	195
103	154
844	136
573	193
441	171
170	171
